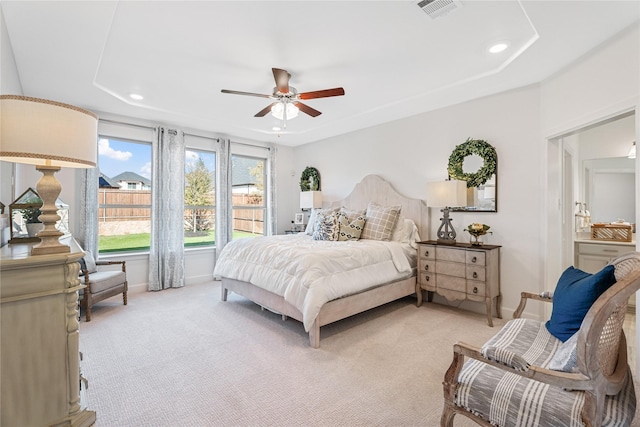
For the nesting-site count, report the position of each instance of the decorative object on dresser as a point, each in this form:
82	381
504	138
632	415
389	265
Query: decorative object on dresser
40	361
102	281
475	161
460	272
476	231
446	194
50	135
571	370
618	232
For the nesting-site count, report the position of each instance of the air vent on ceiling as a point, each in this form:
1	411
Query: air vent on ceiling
438	8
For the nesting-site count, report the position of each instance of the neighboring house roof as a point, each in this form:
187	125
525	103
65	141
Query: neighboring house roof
240	175
105	182
131	177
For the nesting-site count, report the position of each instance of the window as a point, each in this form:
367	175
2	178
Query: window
124	195
249	207
199	198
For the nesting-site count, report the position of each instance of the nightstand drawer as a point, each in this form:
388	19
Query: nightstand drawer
476	273
426	266
428	281
428	252
476	290
476	257
451	269
452	283
448	254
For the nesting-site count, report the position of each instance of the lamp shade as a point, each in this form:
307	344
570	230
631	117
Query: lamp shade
450	193
278	110
42	132
310	199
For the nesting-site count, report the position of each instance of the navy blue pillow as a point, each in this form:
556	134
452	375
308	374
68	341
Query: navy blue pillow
575	293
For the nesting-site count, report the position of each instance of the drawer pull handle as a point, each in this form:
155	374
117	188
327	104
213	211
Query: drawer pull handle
426	267
427	278
475	290
475	275
474	259
426	253
613	251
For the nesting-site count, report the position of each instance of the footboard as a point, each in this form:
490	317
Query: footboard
332	311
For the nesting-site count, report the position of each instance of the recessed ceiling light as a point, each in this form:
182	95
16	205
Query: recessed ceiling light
498	47
275	128
136	96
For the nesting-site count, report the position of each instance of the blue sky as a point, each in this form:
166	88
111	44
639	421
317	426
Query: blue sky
115	157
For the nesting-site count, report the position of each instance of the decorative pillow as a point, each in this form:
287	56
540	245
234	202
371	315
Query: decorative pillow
350	228
565	358
380	221
88	263
575	292
311	226
327	227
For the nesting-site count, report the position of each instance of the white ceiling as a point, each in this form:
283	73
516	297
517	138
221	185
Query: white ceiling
392	59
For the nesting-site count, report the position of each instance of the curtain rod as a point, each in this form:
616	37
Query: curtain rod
117	122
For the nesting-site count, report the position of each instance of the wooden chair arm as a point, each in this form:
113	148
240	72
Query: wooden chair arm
524	296
573	381
123	263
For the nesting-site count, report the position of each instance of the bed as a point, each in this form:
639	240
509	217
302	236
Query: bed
270	274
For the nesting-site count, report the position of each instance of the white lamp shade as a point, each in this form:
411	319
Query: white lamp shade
42	132
310	199
447	193
278	110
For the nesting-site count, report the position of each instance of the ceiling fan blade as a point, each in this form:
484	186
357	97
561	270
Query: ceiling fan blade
282	79
265	110
235	92
338	91
306	109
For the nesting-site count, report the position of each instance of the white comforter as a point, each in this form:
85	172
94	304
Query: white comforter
308	273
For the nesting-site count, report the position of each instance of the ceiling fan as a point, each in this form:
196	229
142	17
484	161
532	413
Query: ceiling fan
287	98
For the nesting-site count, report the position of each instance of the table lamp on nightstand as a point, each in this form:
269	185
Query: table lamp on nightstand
50	135
446	194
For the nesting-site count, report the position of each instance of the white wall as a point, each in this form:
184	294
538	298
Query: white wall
413	151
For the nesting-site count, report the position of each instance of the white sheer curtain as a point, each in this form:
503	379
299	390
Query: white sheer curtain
87	235
224	208
166	255
271	192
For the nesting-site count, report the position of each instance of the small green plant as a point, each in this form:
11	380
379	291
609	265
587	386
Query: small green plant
30	215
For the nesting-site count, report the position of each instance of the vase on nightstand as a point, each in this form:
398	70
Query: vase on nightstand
475	240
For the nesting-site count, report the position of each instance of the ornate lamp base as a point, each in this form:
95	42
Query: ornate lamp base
446	233
48	188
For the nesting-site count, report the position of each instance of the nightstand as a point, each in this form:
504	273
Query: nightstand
460	272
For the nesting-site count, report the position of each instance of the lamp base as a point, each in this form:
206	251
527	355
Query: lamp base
48	188
446	233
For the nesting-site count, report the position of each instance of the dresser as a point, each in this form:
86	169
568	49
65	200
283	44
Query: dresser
39	341
593	255
460	272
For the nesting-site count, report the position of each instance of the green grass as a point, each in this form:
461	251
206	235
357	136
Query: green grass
141	242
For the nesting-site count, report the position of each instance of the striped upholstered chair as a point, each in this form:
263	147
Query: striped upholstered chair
525	376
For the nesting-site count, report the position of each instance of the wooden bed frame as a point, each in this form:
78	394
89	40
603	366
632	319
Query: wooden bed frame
372	188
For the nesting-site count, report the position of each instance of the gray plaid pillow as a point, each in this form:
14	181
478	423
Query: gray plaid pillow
380	221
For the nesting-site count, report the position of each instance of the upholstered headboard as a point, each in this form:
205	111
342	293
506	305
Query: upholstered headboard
374	188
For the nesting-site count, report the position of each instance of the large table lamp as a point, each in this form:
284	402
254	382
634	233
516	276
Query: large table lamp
446	195
50	135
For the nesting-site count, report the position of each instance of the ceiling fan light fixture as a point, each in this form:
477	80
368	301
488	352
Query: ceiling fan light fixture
278	110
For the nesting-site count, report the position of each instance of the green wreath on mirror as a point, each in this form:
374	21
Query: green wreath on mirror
310	179
478	147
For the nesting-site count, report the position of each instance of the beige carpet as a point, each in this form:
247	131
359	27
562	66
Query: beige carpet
181	357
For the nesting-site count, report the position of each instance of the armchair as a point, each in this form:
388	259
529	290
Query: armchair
526	376
101	283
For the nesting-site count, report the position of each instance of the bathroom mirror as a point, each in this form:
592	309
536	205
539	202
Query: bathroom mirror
476	162
600	177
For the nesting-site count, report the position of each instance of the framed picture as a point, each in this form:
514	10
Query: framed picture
299	218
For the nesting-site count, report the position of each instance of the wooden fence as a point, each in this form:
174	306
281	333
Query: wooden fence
135	205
